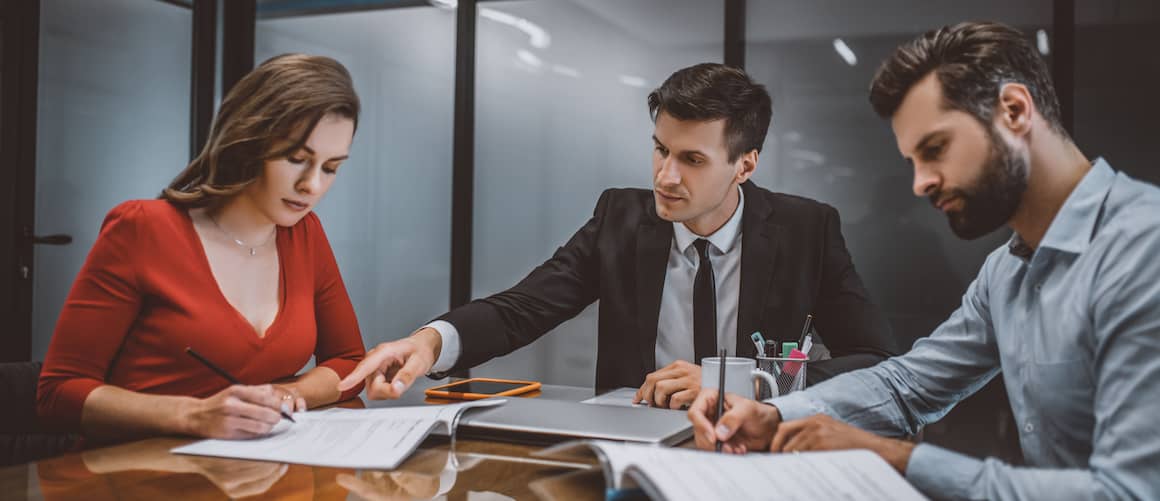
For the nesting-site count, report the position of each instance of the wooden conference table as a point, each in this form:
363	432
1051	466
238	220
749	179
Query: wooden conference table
146	470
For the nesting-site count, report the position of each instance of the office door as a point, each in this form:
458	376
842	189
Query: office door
112	125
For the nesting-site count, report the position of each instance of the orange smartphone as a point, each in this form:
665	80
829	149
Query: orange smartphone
481	387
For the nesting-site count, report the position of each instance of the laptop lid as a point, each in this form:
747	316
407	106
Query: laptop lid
543	421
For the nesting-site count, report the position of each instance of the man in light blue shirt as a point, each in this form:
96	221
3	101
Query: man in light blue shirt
1068	311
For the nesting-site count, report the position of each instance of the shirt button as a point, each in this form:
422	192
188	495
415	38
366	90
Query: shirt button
1028	427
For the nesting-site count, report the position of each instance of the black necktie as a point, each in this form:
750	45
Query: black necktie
704	305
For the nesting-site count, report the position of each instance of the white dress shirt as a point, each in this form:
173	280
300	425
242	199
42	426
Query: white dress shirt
675	323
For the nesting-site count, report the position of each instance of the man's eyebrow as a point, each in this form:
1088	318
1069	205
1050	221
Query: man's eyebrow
930	136
683	152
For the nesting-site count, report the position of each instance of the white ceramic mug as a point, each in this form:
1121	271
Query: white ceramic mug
741	375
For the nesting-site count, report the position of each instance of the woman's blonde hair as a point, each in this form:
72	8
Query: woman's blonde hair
268	114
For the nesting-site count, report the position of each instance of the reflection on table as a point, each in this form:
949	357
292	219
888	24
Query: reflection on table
476	469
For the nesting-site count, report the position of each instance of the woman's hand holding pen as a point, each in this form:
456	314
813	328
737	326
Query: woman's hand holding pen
236	412
292	399
390	368
746	425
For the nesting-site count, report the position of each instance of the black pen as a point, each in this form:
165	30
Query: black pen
222	372
720	391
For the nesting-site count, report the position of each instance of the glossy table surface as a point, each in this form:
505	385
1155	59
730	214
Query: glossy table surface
476	469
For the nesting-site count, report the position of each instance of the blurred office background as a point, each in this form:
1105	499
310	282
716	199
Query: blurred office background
491	127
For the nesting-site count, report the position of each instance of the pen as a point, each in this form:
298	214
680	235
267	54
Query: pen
758	342
807	345
222	372
806	329
720	390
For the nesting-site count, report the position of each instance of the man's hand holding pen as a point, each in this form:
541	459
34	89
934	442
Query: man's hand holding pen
748	425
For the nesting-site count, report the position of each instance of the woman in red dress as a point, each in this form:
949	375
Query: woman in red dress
231	262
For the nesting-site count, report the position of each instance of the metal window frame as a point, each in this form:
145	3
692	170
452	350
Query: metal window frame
18	91
239	20
1063	60
735	33
203	58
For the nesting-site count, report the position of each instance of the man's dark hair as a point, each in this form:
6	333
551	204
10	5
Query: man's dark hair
973	60
711	91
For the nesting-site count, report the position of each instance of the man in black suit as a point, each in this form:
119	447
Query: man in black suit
701	261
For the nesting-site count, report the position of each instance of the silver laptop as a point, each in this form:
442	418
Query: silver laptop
542	421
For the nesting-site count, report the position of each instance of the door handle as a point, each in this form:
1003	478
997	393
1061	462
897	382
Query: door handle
58	239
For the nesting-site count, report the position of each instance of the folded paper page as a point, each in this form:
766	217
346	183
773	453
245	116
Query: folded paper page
684	474
343	438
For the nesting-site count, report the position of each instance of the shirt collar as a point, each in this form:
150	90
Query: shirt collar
723	239
1073	227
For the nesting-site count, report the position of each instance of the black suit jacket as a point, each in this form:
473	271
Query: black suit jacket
793	262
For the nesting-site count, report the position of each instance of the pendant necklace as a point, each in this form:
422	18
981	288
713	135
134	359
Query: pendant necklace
253	248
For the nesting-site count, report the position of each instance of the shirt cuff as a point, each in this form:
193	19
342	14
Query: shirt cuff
796	405
449	353
942	473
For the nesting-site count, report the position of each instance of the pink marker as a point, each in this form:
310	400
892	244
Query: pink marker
792	368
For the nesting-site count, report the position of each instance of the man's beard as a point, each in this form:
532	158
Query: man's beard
992	200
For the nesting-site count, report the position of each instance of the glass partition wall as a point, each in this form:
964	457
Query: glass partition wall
561	115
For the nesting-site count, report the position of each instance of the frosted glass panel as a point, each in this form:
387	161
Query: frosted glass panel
561	114
388	214
112	125
827	143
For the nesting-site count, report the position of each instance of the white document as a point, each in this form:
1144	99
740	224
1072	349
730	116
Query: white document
685	474
620	397
343	438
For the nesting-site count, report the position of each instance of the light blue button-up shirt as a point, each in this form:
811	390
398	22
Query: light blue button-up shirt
1074	328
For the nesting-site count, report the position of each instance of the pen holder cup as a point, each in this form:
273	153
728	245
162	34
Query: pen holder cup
790	374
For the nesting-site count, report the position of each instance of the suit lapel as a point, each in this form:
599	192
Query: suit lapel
758	253
653	241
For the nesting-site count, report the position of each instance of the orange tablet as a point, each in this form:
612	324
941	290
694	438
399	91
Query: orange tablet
481	387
